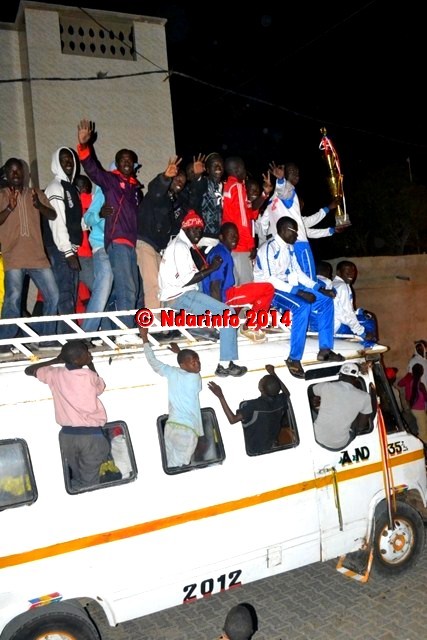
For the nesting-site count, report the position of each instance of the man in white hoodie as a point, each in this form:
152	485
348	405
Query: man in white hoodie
285	202
63	235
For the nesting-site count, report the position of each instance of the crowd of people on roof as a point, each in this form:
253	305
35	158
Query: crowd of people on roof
207	237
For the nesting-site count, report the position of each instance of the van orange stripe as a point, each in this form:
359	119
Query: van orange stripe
199	514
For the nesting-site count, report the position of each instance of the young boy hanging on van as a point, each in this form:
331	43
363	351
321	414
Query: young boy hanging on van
261	417
184	425
75	389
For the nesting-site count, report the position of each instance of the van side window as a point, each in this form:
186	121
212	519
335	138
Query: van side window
356	428
209	450
266	431
118	468
17	483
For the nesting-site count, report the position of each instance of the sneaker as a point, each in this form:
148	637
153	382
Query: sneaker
254	336
221	371
6	350
128	340
327	355
236	371
205	334
97	342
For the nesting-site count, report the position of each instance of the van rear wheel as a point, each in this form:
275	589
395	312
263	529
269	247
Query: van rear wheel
398	549
52	622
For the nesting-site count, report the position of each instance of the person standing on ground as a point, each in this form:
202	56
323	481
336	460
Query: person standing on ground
419	357
416	397
240	623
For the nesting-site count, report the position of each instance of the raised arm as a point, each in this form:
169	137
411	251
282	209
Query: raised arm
33	368
271	370
217	391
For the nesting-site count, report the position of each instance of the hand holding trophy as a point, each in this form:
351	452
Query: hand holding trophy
335	180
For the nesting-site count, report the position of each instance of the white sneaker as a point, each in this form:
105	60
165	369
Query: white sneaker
97	342
128	340
253	336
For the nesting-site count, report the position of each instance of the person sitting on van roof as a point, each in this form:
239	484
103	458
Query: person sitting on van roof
78	410
184	425
179	280
239	623
261	417
343	408
221	284
346	319
276	262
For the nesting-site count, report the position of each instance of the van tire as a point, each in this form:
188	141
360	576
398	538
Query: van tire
67	621
397	550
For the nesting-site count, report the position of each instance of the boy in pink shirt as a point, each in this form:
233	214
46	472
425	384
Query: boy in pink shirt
78	409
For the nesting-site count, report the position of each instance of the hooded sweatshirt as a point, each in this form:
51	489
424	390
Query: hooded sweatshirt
66	230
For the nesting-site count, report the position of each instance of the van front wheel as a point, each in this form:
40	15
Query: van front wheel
398	549
62	621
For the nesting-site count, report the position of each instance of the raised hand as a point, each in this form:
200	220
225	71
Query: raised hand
173	165
278	170
267	187
215	388
174	347
85	130
199	165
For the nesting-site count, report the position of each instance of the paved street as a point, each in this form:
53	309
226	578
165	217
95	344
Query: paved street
314	603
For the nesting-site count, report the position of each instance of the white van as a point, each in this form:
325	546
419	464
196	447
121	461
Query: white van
150	537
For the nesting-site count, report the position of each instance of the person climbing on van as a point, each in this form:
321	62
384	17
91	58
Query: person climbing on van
261	417
184	426
343	408
75	389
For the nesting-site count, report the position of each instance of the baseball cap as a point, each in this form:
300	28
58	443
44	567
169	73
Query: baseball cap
350	369
391	372
238	624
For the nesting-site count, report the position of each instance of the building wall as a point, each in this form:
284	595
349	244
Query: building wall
13	140
395	289
133	112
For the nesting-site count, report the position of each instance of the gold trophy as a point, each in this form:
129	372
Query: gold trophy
335	179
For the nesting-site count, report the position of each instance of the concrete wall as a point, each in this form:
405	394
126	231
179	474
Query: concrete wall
13	141
133	112
395	289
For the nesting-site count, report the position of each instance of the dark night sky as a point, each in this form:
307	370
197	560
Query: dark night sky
265	80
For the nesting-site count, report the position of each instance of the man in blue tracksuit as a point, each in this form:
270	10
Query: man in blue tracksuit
277	263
